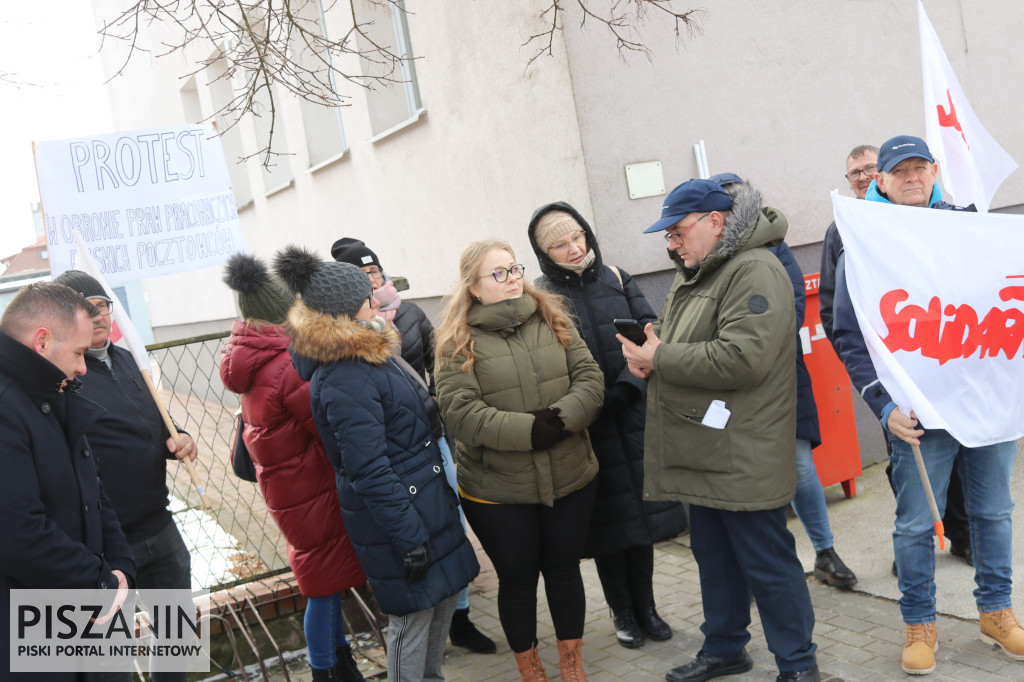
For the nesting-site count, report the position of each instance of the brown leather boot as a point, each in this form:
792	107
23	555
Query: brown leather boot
1001	628
919	649
530	667
570	660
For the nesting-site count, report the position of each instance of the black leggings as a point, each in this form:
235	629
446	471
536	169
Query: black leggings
526	540
626	578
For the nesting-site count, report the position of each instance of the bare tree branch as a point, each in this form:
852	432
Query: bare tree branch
263	47
624	20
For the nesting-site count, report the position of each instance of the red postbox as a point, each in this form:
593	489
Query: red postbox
838	457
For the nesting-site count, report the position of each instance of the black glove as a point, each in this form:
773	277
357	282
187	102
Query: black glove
548	428
415	563
617	398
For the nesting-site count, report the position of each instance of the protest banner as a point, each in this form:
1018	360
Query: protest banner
939	297
146	202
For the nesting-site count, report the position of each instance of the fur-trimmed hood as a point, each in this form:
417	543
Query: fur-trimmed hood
747	226
327	338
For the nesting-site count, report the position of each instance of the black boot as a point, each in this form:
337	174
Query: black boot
627	631
830	569
962	549
346	669
463	633
323	674
648	618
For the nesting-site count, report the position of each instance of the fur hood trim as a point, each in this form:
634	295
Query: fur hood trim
746	208
330	338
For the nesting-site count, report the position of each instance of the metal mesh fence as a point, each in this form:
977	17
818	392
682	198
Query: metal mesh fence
235	540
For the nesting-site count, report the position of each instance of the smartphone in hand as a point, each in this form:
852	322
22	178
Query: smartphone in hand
631	329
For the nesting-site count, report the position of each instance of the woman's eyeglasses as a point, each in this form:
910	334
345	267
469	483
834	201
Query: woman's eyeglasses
501	274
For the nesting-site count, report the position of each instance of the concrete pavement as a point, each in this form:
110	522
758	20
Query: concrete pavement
859	633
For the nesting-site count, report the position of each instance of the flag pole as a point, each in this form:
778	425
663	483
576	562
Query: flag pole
173	430
939	529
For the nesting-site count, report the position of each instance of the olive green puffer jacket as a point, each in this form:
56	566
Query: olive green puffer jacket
519	366
728	333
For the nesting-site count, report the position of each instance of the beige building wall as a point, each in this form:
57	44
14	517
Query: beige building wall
779	92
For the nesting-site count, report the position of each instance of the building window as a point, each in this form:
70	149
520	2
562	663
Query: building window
325	134
394	104
277	174
221	94
190	101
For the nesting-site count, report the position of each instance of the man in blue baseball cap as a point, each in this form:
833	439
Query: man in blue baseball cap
721	423
906	176
809	503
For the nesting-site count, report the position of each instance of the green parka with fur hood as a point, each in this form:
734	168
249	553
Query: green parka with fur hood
519	366
728	333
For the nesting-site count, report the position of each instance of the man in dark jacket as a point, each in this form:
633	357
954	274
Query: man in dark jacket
57	527
721	424
906	176
809	503
861	164
132	446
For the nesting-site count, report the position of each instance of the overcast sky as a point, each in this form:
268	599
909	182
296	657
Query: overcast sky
50	47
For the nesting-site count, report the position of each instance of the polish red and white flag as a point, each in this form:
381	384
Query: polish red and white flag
939	296
971	162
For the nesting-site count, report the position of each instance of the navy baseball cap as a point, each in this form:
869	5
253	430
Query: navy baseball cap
725	179
693	196
900	148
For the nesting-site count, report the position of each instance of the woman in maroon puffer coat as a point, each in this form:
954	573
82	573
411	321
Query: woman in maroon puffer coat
294	475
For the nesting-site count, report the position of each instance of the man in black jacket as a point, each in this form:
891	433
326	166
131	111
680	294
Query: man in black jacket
57	527
132	447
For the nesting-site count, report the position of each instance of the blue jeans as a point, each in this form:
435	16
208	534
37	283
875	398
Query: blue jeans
986	473
449	473
324	630
809	503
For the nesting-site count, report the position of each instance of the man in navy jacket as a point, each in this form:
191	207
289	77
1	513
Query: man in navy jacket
132	446
58	529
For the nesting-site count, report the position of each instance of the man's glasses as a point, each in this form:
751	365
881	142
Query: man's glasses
501	274
105	307
868	170
375	274
669	236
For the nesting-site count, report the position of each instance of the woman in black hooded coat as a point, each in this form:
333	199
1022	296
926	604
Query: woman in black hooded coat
623	527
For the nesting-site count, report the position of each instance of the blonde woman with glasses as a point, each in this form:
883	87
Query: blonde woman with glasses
518	388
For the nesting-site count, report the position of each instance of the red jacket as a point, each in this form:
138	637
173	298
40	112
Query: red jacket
294	475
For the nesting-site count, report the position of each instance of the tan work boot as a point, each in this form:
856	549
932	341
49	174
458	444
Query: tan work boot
570	660
530	667
1002	628
919	650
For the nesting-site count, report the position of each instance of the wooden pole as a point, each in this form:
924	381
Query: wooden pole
174	434
939	530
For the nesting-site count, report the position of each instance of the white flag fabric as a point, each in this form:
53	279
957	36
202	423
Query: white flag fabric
123	328
939	297
972	163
